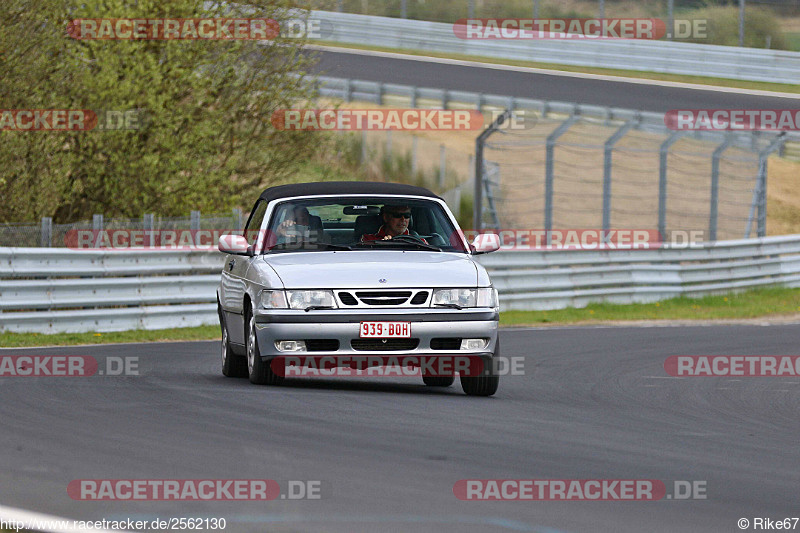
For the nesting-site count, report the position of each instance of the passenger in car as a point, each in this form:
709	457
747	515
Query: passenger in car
396	219
300	225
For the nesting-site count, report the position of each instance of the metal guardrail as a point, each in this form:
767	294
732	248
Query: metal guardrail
650	56
57	290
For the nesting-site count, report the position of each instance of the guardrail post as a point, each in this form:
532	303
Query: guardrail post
608	150
413	97
194	220
46	239
549	169
381	90
97	222
348	90
148	224
712	208
662	182
445	98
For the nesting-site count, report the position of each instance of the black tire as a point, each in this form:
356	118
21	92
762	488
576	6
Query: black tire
258	370
233	366
484	385
438	381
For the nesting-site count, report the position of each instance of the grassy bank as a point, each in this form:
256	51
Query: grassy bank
760	303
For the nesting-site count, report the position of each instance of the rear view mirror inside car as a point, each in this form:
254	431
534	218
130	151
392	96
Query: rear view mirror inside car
361	210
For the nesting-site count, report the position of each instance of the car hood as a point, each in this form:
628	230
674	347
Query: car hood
362	269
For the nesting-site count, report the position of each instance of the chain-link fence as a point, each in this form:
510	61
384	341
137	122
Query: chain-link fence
571	172
48	234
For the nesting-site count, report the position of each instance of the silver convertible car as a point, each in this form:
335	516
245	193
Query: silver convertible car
348	274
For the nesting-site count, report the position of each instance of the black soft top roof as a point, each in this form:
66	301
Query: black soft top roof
343	188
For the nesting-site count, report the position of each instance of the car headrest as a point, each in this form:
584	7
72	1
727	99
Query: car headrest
366	224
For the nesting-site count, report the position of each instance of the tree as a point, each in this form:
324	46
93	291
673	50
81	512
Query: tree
205	141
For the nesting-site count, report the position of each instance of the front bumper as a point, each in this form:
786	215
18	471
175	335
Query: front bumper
344	326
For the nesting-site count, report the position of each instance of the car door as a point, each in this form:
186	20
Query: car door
234	284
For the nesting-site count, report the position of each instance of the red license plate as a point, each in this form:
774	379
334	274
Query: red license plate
385	329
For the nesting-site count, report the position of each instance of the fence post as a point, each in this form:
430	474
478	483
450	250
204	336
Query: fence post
97	222
763	156
608	150
46	240
194	220
148	225
662	182
414	141
363	147
713	207
477	207
549	169
442	164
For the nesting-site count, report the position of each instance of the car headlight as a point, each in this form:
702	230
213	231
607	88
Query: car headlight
273	299
483	297
306	299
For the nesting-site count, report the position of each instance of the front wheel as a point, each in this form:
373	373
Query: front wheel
258	370
486	384
233	366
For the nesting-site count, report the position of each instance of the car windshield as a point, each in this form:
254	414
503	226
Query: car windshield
361	223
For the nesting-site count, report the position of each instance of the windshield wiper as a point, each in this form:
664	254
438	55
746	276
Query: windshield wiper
318	307
398	242
310	246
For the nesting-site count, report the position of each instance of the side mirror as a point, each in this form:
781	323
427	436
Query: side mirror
234	244
485	243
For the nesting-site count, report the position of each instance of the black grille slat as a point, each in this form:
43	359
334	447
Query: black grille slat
446	343
384	297
420	298
378	345
347	298
322	345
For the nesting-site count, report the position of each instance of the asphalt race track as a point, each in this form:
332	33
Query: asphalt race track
594	403
562	88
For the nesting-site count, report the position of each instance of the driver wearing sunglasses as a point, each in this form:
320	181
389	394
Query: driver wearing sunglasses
396	219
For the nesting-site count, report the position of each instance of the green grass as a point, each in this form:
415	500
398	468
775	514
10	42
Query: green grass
768	302
793	41
21	340
701	80
758	303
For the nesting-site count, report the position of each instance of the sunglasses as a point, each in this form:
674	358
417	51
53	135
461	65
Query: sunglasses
401	215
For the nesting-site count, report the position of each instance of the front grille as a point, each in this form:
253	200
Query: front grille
322	345
420	298
446	343
384	297
377	345
347	298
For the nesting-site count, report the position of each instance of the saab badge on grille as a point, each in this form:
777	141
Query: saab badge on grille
382	280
